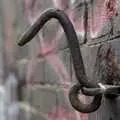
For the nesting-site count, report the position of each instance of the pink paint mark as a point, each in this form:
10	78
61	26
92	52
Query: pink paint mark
72	14
78	23
54	61
103	12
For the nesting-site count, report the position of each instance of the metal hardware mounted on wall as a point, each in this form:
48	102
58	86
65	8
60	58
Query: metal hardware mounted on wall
97	90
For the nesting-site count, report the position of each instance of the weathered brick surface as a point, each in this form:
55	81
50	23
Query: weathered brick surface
45	99
51	75
116	19
89	58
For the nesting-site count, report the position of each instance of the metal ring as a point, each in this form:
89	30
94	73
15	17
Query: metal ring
78	105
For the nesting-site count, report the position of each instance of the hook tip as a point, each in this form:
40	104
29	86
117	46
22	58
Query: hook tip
20	42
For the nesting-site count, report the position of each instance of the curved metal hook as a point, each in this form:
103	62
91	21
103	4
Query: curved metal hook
71	37
75	53
78	105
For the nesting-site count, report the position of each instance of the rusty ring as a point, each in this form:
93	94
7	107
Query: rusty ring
78	105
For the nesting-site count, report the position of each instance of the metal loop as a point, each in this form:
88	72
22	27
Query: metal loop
78	105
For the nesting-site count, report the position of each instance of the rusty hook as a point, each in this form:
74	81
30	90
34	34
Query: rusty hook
74	49
71	37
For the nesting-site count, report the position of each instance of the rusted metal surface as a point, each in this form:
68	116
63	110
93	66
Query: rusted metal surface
78	105
107	73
